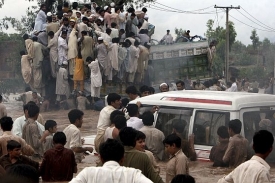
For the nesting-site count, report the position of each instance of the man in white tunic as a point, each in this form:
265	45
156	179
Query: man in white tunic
62	48
111	171
167	38
53	45
62	85
133	62
41	19
96	78
72	50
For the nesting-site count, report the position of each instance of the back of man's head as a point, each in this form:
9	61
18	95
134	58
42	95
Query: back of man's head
6	123
120	122
33	110
111	150
114	114
235	125
262	142
147	118
127	136
132	110
22	173
179	125
59	138
181	178
223	132
74	115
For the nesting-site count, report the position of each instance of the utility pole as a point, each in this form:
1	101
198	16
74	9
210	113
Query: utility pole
227	39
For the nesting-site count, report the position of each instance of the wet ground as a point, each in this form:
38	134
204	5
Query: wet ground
203	172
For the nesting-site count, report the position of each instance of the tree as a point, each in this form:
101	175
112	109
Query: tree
179	32
255	39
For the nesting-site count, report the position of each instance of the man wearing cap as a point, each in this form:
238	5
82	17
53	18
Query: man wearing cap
167	38
62	48
51	26
62	85
98	25
163	87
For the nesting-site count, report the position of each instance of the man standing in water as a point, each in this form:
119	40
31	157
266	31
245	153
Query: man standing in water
256	170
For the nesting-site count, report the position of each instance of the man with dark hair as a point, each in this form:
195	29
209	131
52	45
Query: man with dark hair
111	171
54	171
134	121
26	69
152	90
47	137
113	100
236	152
178	162
22	173
132	92
31	133
217	152
135	158
62	47
19	123
180	85
181	178
14	156
144	90
154	137
234	87
120	122
6	126
187	146
73	135
111	132
256	170
3	110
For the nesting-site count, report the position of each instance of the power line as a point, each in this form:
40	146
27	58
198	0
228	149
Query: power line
250	25
257	19
256	22
184	11
174	11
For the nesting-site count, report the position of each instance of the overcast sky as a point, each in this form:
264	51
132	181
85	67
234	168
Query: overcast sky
262	10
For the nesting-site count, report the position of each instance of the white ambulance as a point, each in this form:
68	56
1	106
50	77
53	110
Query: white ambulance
206	111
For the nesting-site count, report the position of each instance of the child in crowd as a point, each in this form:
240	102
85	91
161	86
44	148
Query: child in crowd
53	170
14	156
81	101
47	137
79	72
112	132
178	162
36	99
140	146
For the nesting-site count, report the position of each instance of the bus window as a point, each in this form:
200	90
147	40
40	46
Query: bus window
166	117
206	125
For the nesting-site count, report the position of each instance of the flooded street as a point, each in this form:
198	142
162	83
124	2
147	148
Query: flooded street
203	172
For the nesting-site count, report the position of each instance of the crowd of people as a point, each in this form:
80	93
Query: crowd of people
85	43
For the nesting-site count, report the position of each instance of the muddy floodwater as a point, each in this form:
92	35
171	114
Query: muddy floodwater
203	172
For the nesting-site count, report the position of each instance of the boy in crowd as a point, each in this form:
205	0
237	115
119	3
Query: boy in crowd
47	137
14	156
6	126
53	170
112	132
236	152
154	137
140	146
256	170
73	135
217	152
134	121
178	162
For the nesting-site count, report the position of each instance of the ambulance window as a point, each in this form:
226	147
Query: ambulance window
258	120
166	117
206	125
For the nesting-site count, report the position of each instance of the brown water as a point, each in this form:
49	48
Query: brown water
203	172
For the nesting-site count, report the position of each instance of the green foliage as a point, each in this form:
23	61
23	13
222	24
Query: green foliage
245	59
255	39
179	32
257	73
238	47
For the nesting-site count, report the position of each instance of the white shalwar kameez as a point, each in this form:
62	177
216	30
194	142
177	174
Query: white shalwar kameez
96	78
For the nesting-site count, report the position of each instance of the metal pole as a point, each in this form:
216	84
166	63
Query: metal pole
227	47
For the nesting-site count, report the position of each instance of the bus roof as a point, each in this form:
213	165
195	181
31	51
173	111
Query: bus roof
209	99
